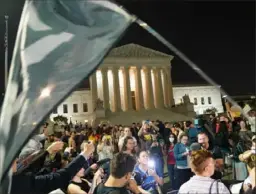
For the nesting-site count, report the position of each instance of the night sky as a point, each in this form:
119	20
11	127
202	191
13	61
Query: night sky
218	36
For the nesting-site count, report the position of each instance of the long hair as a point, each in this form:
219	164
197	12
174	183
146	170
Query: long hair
175	140
124	148
223	127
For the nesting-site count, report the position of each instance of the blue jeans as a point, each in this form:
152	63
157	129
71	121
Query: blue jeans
171	174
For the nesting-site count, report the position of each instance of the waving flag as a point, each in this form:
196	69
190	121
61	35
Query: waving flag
59	43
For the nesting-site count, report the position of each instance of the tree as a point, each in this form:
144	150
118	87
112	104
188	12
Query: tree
212	110
60	120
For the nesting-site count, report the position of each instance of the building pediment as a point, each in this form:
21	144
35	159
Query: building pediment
137	51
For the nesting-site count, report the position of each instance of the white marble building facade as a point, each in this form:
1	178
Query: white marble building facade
202	96
131	80
77	107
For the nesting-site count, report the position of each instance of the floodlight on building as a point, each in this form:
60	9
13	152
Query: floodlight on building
46	92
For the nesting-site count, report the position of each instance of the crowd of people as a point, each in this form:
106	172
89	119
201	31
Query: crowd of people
112	159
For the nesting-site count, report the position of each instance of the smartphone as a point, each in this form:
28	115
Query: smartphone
151	164
196	122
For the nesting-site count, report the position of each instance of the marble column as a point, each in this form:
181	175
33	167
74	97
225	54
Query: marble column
138	89
149	89
127	89
169	78
116	89
158	88
166	90
94	91
105	87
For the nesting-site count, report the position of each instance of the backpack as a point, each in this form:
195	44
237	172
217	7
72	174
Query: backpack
217	186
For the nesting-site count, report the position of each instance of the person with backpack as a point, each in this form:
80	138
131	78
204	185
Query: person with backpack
203	165
120	180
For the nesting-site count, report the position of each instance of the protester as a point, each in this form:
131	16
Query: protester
38	160
249	156
181	153
146	176
167	131
203	139
121	170
79	185
252	188
129	146
30	183
252	121
178	129
105	148
202	164
127	132
191	131
238	147
145	134
171	159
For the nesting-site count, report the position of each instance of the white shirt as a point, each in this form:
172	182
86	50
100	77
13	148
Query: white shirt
252	122
201	185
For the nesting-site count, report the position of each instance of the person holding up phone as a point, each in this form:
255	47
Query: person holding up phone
146	176
145	134
157	153
105	148
30	183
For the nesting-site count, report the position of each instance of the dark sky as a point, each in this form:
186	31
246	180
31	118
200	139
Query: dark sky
218	36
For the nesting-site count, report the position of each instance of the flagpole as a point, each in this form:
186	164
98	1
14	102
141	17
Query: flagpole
6	52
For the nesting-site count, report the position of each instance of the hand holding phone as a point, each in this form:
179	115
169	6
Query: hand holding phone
151	172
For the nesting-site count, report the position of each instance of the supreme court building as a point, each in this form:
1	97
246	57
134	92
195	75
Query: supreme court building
132	83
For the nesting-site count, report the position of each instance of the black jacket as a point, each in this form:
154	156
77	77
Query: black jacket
31	184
